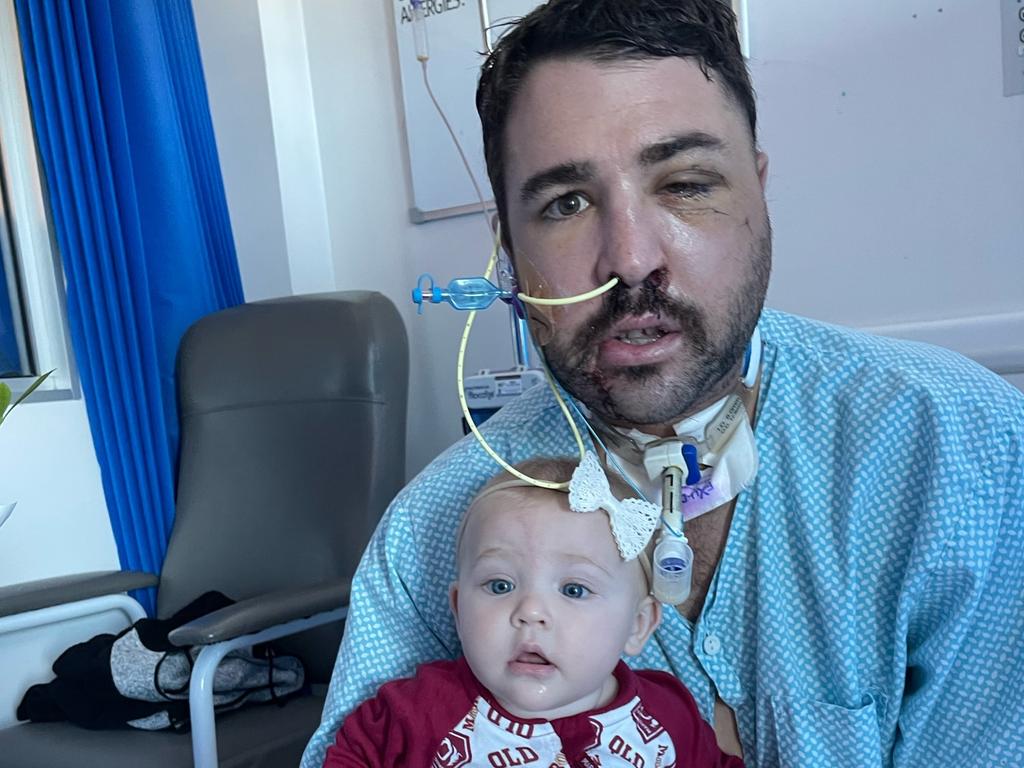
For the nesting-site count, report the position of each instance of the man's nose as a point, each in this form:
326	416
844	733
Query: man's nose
630	248
531	609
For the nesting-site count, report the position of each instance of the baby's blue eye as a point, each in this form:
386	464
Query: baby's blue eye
499	586
575	590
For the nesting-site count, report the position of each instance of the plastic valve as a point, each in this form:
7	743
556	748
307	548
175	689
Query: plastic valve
467	293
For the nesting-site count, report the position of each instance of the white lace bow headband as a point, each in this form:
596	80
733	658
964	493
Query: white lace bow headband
633	521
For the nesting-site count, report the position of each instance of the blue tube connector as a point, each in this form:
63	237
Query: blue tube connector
692	464
462	293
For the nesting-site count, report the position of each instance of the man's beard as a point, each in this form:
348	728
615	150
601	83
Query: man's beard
659	394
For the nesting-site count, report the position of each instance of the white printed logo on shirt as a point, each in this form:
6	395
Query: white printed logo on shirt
454	751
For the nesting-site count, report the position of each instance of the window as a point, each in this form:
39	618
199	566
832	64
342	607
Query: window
14	357
33	327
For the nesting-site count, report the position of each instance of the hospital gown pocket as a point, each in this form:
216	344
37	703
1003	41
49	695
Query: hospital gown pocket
817	733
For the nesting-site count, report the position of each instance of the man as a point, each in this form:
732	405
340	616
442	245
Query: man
860	601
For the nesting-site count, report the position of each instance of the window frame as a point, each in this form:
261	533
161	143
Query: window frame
34	250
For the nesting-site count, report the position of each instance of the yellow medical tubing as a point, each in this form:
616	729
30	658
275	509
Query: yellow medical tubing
459	371
571	299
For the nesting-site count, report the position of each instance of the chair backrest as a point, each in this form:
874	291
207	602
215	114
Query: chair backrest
293	418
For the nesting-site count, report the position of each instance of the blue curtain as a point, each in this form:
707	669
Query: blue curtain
124	131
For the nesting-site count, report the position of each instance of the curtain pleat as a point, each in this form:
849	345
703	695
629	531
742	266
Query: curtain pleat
123	126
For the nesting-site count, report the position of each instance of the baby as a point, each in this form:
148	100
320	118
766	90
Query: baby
545	604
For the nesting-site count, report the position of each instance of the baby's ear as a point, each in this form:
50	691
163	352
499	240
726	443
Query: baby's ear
647	619
453	599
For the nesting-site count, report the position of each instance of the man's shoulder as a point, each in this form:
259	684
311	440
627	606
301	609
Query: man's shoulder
809	356
904	424
834	346
531	425
429	680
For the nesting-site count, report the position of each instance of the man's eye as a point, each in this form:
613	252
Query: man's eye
499	586
566	206
575	590
689	190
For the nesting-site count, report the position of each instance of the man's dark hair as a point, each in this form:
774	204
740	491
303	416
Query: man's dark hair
606	31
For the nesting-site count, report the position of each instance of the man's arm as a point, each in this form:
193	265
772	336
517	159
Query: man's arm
964	694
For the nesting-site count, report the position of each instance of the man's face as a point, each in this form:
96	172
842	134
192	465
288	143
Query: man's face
544	605
645	171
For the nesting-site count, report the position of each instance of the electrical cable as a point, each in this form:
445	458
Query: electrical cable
491	230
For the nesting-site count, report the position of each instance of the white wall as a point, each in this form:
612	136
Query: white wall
897	165
234	65
48	465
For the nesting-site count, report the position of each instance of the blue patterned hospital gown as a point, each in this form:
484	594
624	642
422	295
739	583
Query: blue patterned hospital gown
868	609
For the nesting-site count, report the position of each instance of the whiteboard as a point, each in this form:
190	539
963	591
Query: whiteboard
455	31
440	184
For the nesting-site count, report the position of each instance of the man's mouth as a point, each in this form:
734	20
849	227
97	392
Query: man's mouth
641	336
638	341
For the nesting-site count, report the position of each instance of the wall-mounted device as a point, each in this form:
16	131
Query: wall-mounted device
1013	47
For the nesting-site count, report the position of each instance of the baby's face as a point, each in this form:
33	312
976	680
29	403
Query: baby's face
544	604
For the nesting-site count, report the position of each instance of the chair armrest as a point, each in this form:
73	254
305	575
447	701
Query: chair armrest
59	590
258	613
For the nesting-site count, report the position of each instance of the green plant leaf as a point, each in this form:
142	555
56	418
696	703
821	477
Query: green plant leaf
4	412
5	400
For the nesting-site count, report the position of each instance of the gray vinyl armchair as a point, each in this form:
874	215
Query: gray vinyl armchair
293	416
